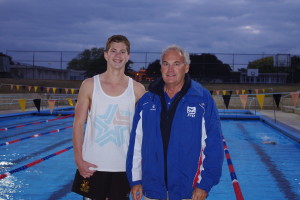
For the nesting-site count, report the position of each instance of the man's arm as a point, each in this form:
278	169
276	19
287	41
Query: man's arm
137	192
82	106
213	152
199	194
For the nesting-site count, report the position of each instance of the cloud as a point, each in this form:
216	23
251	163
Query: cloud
200	26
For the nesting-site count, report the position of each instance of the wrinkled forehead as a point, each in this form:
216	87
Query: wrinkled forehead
172	55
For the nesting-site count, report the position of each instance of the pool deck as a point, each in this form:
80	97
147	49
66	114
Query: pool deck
3	112
290	119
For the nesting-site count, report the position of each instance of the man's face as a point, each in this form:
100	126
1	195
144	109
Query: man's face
117	55
173	68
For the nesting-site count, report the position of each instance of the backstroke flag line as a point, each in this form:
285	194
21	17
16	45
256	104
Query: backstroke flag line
276	98
37	103
70	102
244	98
51	104
22	103
260	98
226	99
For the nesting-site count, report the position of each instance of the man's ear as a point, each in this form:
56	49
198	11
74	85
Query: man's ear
105	55
187	68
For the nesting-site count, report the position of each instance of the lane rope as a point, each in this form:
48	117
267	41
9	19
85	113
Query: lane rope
6	174
34	136
235	183
34	123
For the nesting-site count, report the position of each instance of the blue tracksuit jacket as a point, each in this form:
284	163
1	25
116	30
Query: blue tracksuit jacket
195	150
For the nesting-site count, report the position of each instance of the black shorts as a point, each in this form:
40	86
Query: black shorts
113	185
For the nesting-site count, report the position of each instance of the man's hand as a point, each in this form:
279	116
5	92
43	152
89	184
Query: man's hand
199	194
137	192
84	169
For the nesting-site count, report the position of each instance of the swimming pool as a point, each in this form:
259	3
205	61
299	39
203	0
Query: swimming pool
264	171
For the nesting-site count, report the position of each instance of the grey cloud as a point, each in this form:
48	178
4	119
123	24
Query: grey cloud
234	26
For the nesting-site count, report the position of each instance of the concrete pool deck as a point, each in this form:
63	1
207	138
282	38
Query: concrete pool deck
289	119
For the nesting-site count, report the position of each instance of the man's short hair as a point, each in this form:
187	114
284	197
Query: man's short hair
177	48
118	38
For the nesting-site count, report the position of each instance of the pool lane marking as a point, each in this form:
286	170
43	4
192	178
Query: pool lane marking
34	136
37	153
34	123
6	174
283	183
5	137
235	183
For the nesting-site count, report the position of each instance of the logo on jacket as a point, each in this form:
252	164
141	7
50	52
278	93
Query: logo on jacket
153	107
191	111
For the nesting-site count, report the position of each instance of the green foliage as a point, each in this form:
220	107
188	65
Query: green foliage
201	65
153	69
207	65
92	61
265	65
295	62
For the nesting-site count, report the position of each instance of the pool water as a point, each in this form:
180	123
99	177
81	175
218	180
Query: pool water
264	171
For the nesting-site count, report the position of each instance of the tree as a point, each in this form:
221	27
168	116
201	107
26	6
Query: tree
203	67
153	69
242	70
264	65
92	61
295	65
208	65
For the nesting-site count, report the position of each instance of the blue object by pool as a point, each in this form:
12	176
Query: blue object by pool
266	161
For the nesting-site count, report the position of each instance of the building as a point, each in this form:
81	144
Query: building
4	63
23	71
141	76
267	78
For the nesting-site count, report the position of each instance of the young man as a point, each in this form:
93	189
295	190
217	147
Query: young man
106	103
175	150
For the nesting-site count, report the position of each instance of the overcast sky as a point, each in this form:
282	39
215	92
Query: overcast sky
199	26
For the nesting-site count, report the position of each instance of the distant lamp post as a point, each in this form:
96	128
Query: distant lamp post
137	76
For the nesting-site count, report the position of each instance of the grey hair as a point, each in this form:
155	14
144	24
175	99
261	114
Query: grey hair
177	48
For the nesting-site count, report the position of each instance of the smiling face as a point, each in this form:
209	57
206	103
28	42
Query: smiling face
173	68
117	55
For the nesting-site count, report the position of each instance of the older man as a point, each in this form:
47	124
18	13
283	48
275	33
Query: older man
175	150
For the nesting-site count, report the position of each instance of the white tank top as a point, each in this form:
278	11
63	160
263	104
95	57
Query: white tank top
108	128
